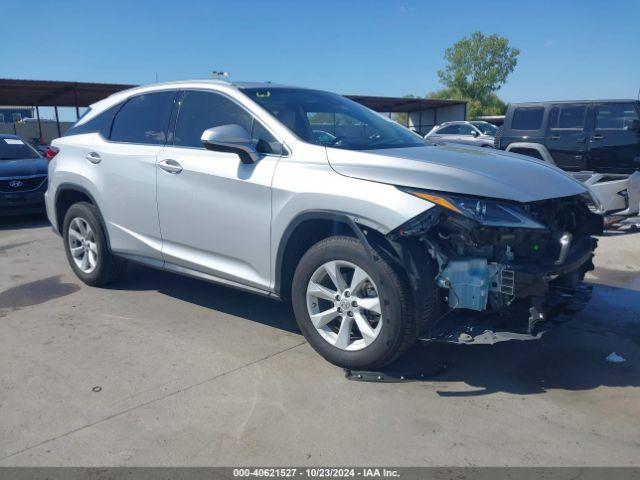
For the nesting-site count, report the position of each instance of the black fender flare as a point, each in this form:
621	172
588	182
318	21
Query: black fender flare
331	215
67	186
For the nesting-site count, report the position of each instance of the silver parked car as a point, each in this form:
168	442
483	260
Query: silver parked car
372	233
477	133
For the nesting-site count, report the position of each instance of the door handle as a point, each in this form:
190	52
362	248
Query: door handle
580	140
170	166
597	137
93	157
555	137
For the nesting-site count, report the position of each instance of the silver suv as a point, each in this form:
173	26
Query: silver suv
373	234
477	133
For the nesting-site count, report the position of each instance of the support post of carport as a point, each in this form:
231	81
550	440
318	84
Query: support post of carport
75	100
39	124
55	109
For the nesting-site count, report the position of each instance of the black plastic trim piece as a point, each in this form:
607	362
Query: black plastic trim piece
63	187
332	215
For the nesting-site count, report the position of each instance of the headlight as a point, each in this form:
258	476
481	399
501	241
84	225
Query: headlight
490	213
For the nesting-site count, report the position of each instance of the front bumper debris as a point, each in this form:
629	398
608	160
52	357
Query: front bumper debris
498	283
473	328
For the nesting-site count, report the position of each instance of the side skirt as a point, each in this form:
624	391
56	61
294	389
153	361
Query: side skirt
171	267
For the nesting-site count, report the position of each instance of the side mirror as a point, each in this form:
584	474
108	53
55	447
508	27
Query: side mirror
231	138
634	125
474	134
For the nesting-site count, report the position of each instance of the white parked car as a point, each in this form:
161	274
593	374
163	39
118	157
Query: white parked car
477	133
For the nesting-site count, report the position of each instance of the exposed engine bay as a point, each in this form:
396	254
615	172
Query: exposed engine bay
525	263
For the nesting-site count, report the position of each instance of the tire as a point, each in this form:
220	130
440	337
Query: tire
395	326
107	268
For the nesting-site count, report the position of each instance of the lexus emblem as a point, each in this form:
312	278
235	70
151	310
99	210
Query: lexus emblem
16	183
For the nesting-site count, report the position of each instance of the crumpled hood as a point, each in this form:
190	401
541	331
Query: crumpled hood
23	167
458	169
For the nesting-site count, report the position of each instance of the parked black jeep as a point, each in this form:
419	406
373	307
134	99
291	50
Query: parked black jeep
598	136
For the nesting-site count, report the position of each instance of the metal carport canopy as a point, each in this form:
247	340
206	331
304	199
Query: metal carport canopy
47	93
402	104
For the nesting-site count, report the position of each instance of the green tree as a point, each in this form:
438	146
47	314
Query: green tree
478	65
490	105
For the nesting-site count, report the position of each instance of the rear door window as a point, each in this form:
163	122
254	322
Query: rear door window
144	119
527	118
567	117
615	116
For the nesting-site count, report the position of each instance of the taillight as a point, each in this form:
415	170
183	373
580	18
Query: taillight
51	152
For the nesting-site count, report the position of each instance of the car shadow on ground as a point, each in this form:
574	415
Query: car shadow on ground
37	220
570	356
209	295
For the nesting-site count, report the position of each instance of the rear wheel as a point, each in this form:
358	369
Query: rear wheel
86	246
355	312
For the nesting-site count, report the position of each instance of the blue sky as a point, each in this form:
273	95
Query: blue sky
583	49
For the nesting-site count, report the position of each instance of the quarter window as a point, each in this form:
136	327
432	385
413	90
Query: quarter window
101	123
618	116
202	110
527	118
144	119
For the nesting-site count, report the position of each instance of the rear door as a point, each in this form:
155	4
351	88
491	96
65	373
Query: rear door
123	169
566	138
615	144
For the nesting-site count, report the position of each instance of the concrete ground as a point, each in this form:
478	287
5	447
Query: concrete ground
165	370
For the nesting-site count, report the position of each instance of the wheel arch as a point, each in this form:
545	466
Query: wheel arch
68	194
522	147
310	227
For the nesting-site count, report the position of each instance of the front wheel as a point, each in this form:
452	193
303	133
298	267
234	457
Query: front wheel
354	311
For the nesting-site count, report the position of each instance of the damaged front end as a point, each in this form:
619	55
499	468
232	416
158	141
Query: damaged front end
521	265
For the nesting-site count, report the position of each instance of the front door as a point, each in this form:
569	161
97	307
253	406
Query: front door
566	137
615	142
214	210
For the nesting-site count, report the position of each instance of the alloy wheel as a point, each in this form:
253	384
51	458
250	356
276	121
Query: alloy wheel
82	245
344	305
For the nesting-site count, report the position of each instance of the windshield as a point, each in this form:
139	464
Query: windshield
486	128
16	149
331	120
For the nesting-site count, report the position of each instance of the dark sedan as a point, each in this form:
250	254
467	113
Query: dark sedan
23	177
